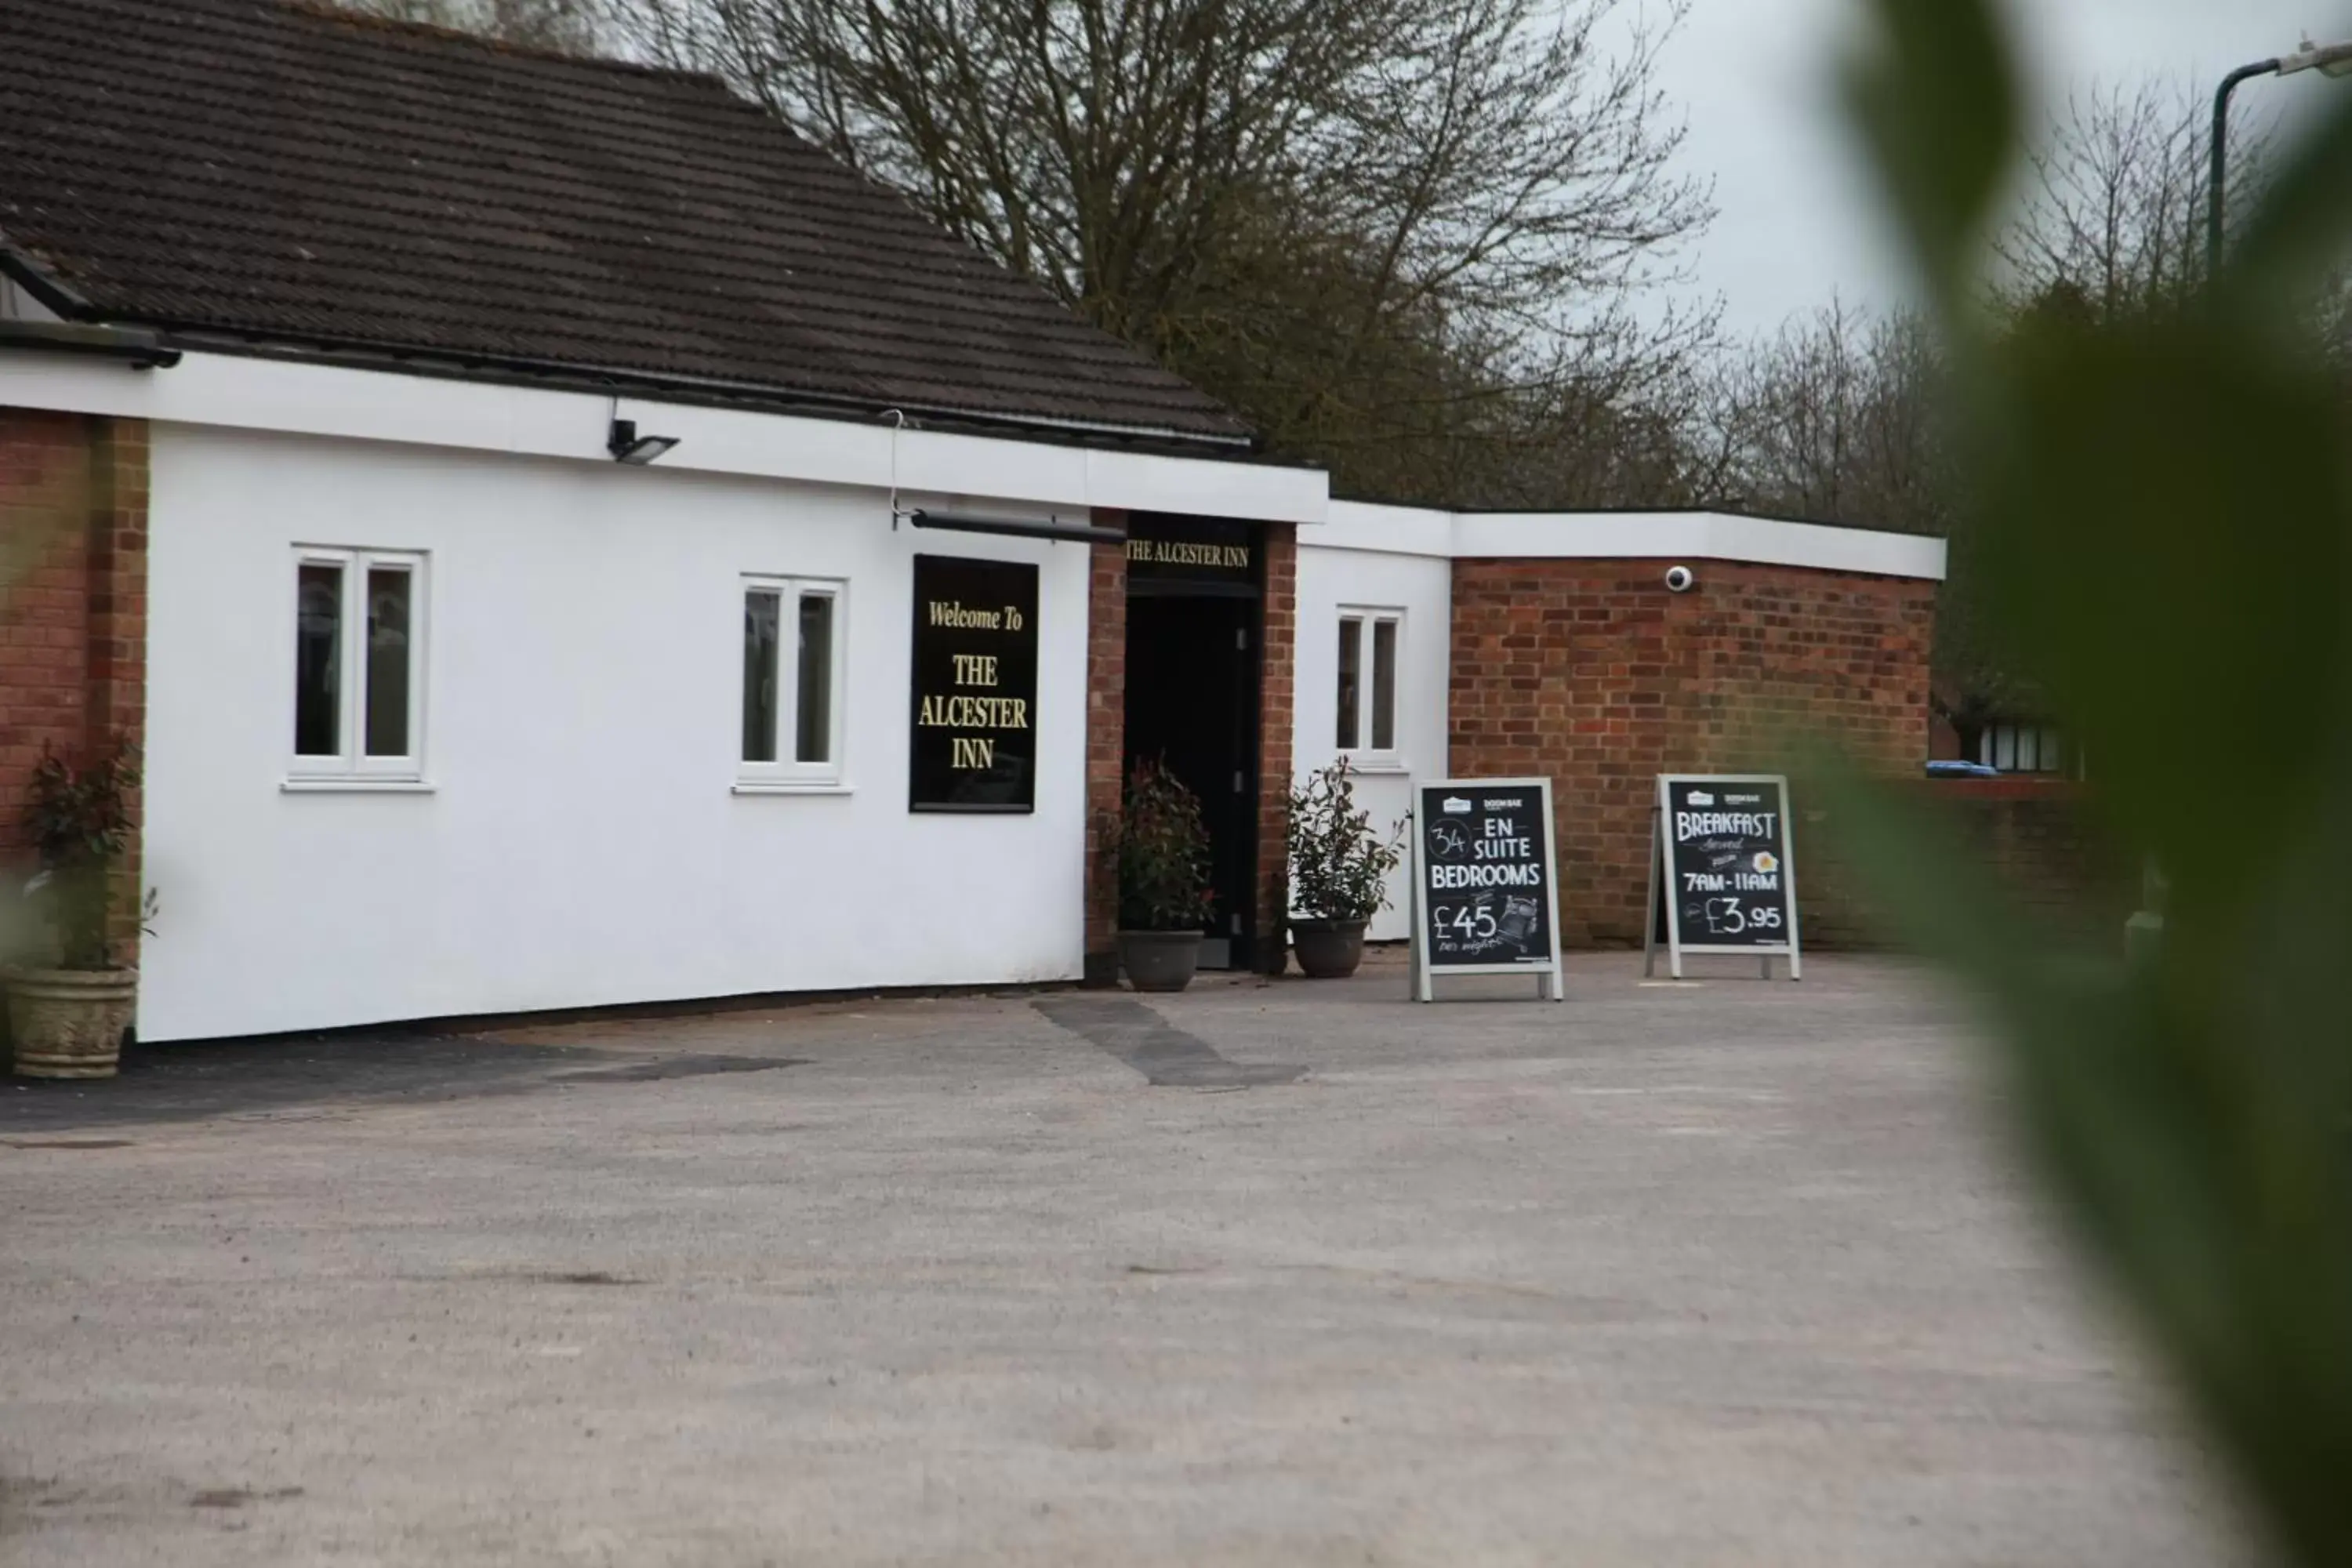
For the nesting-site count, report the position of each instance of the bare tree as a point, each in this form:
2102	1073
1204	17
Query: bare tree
560	27
1388	230
2113	217
1835	418
1839	417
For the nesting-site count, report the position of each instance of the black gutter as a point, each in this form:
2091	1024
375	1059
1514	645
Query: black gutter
137	347
1075	533
703	390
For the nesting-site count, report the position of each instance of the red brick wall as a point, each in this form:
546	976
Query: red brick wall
73	604
1105	746
1278	683
1590	673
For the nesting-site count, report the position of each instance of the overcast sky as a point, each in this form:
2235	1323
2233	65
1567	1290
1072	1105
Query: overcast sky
1755	79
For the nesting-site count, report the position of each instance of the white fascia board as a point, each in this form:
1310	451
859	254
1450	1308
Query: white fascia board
1384	530
238	392
1698	536
1150	481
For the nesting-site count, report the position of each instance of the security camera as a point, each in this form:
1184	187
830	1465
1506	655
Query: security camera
1681	580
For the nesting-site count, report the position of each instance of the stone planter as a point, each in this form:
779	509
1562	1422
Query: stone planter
69	1023
1328	950
1160	959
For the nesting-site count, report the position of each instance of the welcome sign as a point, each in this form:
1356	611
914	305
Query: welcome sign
1486	880
973	745
1723	867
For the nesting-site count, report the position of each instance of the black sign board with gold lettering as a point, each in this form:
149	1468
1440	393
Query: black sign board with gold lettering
1190	554
973	746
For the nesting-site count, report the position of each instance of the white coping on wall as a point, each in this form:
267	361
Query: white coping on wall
930	467
1647	535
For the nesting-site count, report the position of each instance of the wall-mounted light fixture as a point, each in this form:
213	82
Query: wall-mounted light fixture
627	447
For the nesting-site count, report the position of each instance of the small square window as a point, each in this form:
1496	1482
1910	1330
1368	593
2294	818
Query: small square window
1367	698
359	664
791	685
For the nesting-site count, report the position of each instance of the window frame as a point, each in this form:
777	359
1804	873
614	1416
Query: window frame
2051	755
787	775
350	762
1364	756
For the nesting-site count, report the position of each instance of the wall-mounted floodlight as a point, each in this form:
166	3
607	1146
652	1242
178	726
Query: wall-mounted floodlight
627	447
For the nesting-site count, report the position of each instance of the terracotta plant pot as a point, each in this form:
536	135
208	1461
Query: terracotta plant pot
1160	959
69	1023
1328	950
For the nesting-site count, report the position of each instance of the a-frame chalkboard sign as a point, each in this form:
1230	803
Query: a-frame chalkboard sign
1723	871
1486	881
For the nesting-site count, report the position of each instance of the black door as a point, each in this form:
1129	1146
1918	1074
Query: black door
1191	703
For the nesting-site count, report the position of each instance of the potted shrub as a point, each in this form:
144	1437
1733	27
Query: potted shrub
1164	902
69	1021
1338	873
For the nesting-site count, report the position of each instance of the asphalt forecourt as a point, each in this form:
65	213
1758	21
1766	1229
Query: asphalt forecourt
1720	1272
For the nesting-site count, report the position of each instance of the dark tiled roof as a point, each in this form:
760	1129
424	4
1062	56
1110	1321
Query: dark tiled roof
274	171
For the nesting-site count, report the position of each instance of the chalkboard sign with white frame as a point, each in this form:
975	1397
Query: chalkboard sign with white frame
1486	881
1723	867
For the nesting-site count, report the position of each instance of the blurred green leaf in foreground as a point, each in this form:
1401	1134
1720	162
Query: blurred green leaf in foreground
2166	520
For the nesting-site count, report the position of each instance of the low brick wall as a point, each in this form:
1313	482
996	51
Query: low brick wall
2032	832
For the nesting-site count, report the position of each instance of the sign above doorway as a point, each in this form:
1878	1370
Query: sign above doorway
1190	555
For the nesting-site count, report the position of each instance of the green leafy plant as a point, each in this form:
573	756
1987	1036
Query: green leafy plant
2162	511
1163	854
82	822
1339	865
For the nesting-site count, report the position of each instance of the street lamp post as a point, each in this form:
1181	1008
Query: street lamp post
2333	59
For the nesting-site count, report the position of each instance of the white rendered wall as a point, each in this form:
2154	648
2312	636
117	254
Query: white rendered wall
580	844
1333	576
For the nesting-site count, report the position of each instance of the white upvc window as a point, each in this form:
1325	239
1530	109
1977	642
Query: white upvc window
1372	641
795	683
359	665
2023	748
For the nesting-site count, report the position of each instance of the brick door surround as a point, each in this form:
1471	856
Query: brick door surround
1105	745
73	610
1105	748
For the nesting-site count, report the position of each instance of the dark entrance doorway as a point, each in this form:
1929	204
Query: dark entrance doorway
1193	668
